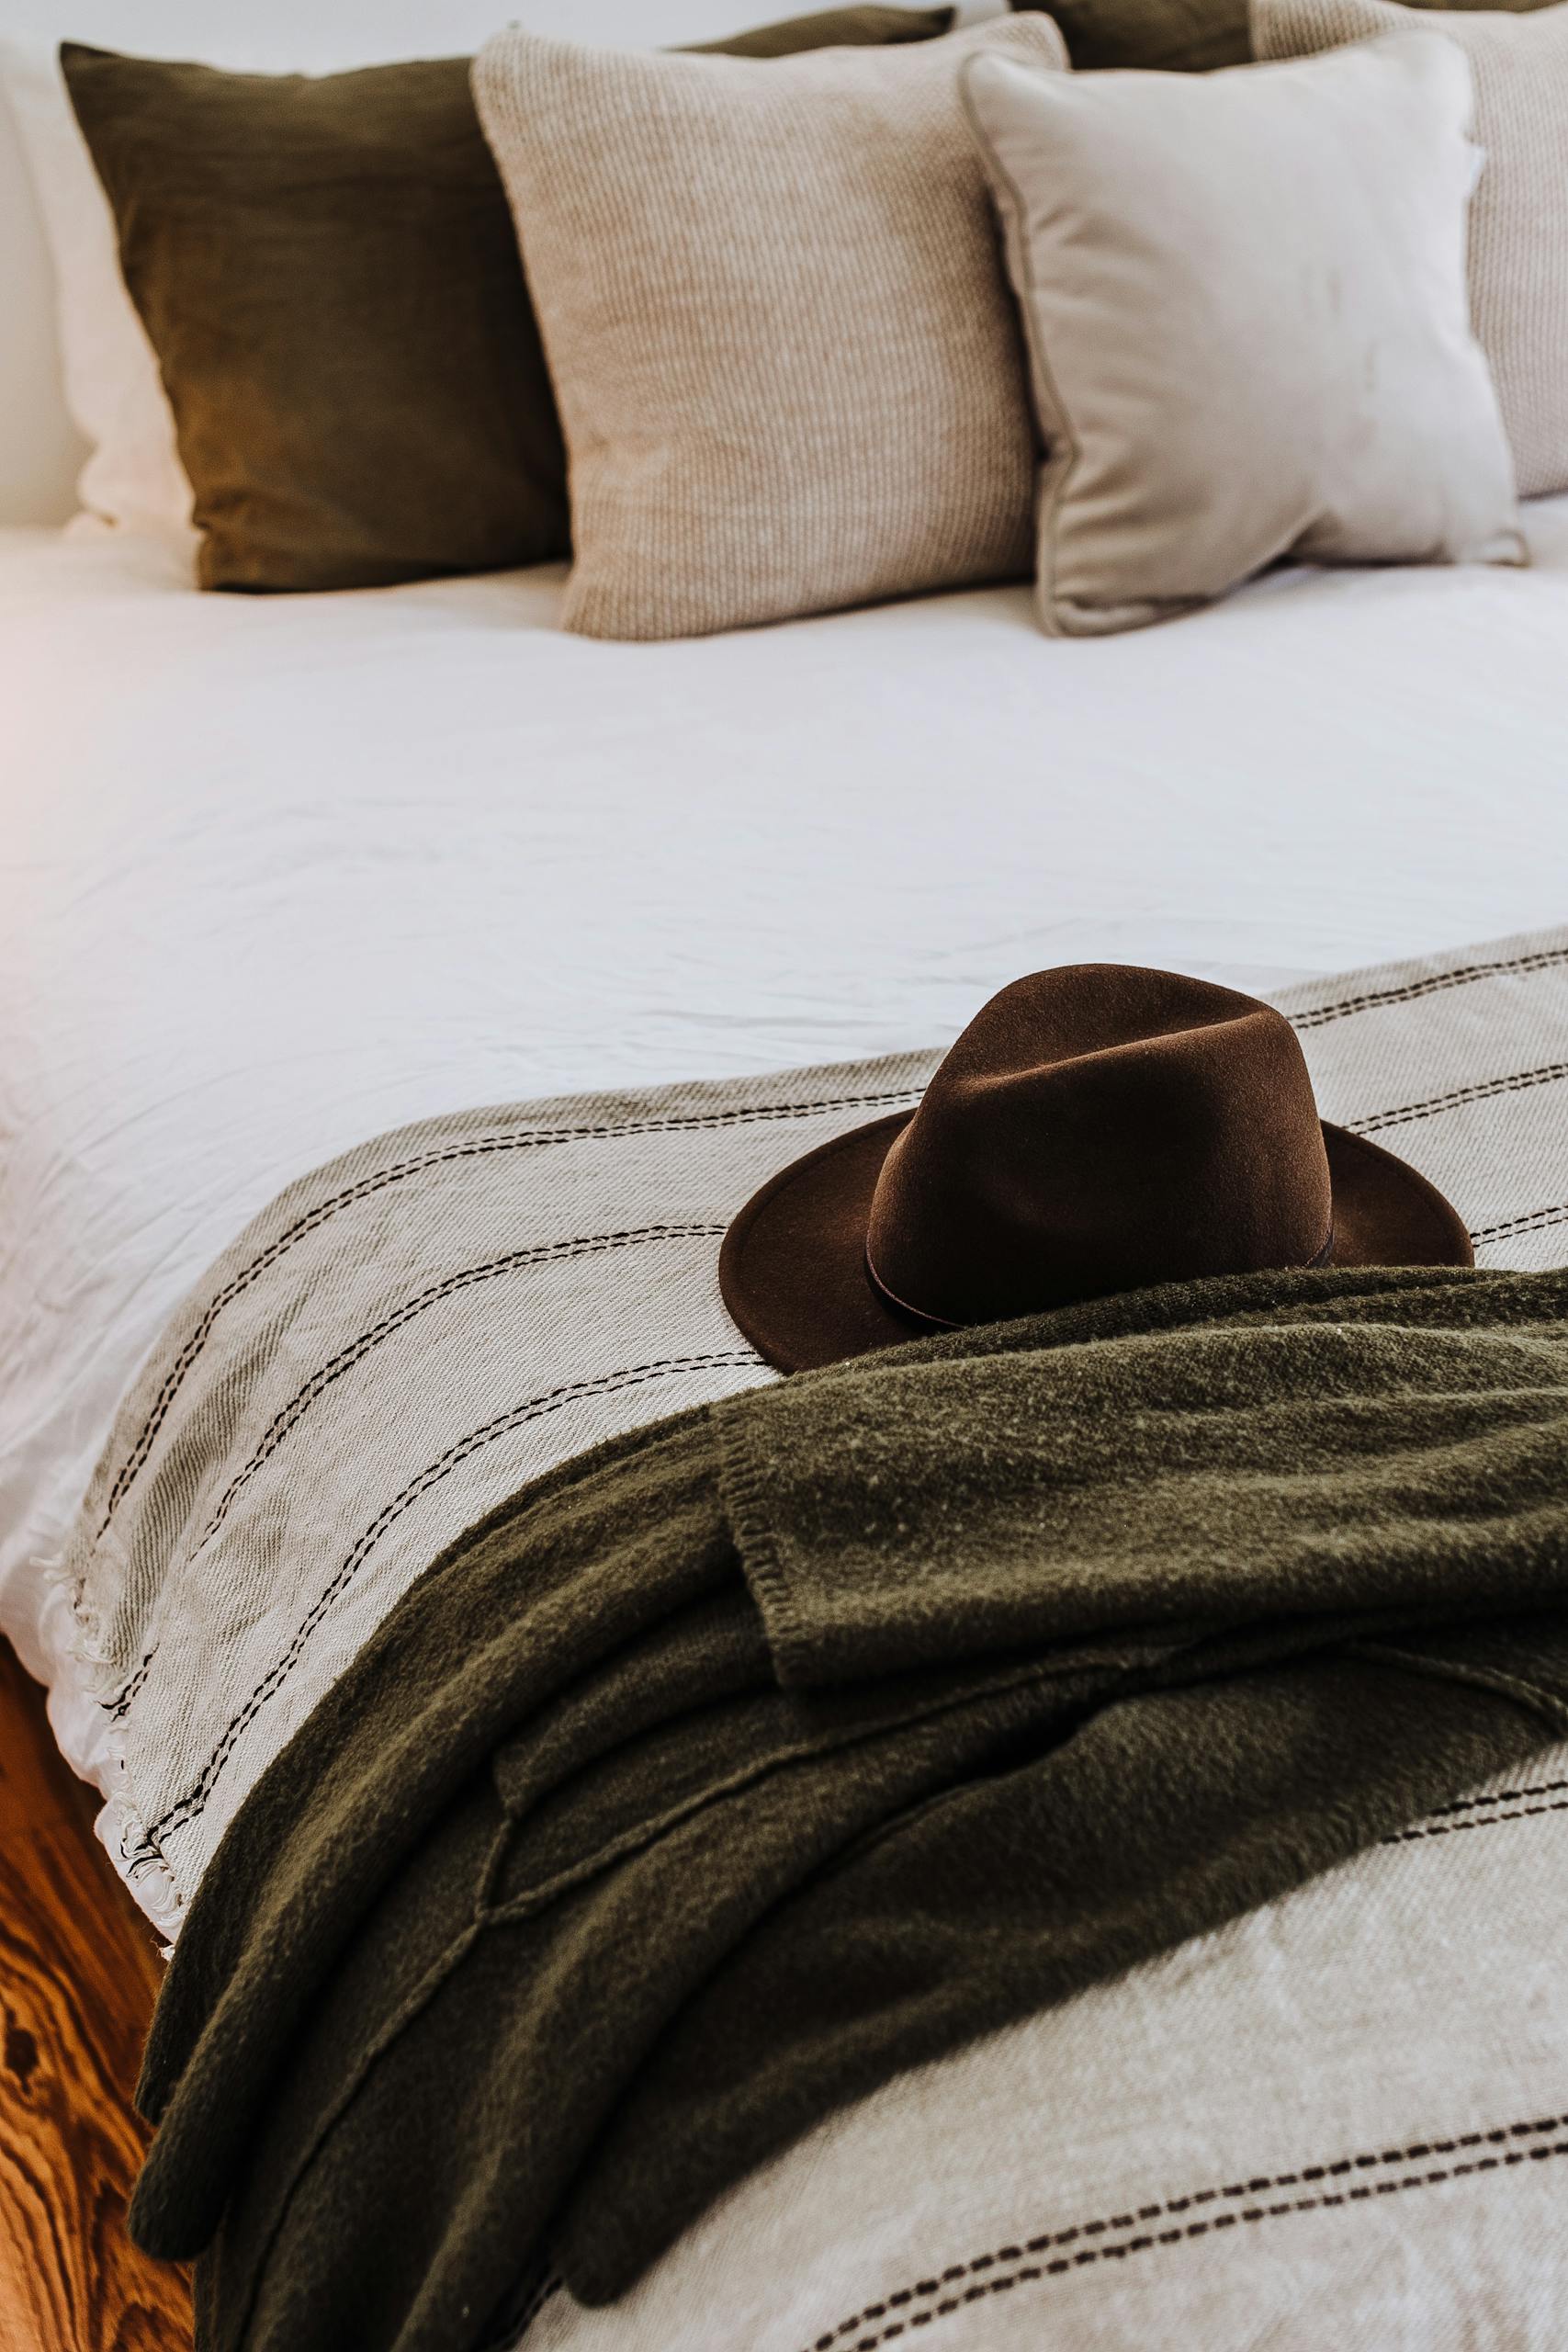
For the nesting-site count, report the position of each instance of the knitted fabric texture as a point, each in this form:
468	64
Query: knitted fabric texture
319	1420
727	1772
788	369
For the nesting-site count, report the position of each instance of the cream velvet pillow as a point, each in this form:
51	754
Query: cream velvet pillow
1518	221
1245	302
788	366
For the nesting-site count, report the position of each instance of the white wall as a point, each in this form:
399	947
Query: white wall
39	450
279	32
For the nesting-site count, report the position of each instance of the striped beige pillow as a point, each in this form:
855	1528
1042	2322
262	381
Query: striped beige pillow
1518	220
788	367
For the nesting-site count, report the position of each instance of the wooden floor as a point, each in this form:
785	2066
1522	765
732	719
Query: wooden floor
79	1972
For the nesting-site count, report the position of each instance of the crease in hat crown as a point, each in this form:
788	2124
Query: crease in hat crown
1099	1129
1095	1128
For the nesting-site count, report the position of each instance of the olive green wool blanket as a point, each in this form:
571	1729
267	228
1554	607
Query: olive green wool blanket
726	1771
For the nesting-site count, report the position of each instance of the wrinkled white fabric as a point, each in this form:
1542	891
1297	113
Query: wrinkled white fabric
413	1332
278	873
275	876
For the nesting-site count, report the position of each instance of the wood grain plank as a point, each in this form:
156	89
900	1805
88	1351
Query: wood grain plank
79	1974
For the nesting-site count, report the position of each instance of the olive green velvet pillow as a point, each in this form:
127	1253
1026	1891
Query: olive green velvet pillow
1180	36
328	273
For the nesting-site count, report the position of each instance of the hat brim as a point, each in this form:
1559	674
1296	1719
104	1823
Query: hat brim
792	1265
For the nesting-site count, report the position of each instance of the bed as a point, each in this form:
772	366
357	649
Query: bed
279	875
283	874
400	996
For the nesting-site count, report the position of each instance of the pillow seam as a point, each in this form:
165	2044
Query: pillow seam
1054	478
1047	393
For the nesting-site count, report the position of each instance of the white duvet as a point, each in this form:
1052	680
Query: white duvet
280	873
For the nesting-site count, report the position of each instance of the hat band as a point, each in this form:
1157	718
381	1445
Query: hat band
944	1323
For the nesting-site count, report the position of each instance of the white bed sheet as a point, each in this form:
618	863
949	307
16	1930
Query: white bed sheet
276	875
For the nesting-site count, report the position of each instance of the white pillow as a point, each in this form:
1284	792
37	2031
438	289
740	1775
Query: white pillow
132	475
1518	224
1248	322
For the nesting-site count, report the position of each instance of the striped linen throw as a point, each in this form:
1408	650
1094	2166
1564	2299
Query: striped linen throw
407	1335
1343	2120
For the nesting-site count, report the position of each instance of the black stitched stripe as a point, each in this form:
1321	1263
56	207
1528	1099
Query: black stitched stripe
482	1146
536	1138
1504	1805
1006	2268
1533	1221
1436	1104
1501	1797
518	1261
1485	1821
187	1807
583	1245
120	1704
1458	975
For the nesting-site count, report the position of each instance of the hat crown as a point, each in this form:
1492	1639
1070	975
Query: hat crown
1101	1128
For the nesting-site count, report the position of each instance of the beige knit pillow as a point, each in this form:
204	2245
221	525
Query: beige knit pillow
1518	223
1246	300
788	366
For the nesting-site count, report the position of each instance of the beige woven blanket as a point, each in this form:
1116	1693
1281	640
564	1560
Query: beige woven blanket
1342	2121
407	1335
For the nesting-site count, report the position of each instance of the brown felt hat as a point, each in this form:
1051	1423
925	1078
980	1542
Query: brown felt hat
1094	1129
